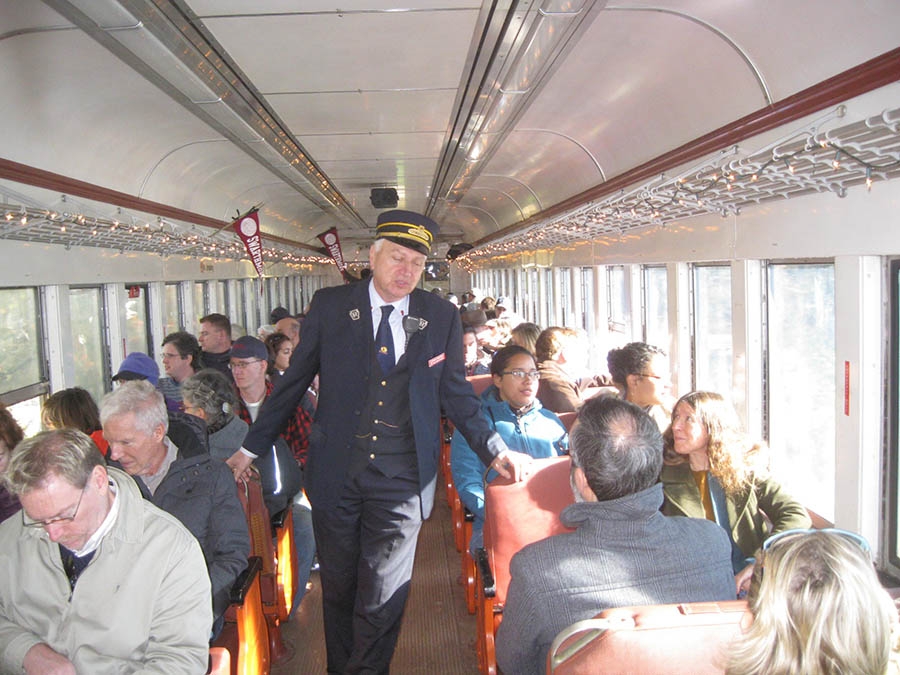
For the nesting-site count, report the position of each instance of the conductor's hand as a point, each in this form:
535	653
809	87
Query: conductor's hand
511	464
240	465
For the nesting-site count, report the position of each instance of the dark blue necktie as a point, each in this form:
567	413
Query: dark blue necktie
384	340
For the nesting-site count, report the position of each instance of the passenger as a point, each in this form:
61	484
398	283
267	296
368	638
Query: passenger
11	435
623	550
249	361
137	366
562	356
641	372
488	304
499	334
265	331
289	326
193	487
280	349
525	335
181	359
95	579
372	468
505	311
215	342
210	396
511	408
712	470
74	409
817	608
477	362
278	314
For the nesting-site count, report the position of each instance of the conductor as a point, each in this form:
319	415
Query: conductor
389	358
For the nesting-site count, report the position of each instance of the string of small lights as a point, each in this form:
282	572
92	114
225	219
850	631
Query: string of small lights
27	223
807	161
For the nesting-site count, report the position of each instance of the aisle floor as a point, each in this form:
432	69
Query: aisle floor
438	634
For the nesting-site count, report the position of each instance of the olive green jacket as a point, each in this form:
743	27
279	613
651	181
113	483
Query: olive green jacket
748	515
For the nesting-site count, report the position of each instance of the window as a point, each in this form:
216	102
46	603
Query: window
137	328
616	305
656	307
21	361
240	307
565	296
173	310
200	303
801	381
712	329
586	311
89	350
23	379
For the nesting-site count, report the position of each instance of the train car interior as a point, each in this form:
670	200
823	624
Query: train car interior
719	178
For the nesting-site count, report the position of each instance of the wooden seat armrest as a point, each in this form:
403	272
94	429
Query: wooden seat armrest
484	569
245	580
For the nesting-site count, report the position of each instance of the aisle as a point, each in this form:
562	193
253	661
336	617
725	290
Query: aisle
438	635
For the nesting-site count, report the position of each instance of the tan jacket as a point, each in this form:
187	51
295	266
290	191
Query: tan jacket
142	605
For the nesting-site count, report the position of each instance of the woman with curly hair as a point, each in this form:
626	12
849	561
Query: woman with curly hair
713	470
210	396
818	608
11	435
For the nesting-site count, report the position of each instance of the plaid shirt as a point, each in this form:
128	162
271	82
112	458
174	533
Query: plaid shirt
296	433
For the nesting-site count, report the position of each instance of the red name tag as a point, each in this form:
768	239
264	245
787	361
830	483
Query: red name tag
437	359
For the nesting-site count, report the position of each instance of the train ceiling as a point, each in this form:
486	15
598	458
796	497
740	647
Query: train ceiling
514	124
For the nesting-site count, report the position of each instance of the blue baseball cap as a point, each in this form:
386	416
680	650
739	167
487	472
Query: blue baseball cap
138	366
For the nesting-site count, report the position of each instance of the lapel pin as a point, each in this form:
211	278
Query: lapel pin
354	314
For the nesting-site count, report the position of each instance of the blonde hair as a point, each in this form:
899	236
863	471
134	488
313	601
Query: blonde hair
818	609
734	459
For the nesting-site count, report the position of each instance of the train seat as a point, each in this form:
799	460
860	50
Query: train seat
480	382
262	545
681	639
516	514
245	635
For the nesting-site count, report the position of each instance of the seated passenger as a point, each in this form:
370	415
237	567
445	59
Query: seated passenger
513	411
818	608
192	486
11	435
713	471
623	550
477	362
181	359
562	357
215	342
74	409
280	349
249	363
95	579
210	396
641	372
525	335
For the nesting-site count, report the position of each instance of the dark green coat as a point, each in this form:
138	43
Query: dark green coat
747	516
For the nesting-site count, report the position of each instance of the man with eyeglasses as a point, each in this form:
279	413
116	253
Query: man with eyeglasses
389	356
181	359
184	481
249	361
91	570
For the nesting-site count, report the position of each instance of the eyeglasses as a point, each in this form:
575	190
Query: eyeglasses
648	375
523	374
176	355
241	365
857	539
28	522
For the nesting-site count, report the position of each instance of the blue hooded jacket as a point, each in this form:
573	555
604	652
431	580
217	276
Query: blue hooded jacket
538	432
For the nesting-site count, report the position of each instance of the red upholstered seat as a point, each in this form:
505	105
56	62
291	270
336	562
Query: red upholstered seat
516	514
684	639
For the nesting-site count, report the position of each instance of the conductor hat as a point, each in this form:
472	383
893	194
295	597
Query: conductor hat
407	228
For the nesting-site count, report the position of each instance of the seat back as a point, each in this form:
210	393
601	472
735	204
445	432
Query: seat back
519	513
286	569
568	419
684	639
245	635
480	382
